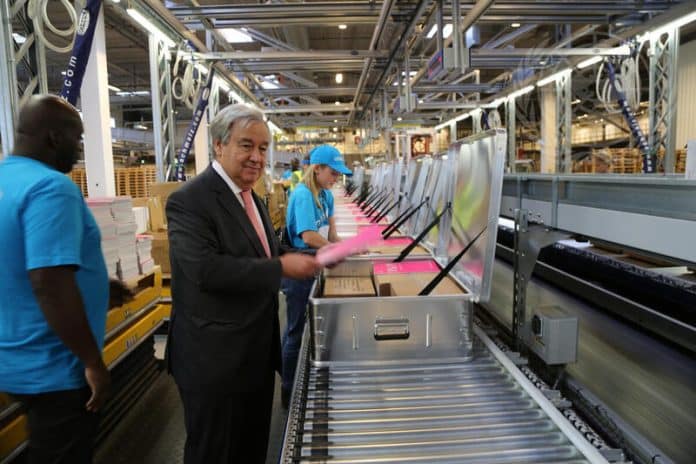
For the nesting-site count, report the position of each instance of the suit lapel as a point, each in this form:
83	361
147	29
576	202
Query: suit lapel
229	202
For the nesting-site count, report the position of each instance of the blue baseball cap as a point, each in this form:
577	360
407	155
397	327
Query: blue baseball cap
330	156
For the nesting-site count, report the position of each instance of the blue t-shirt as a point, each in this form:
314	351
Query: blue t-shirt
304	213
286	175
44	222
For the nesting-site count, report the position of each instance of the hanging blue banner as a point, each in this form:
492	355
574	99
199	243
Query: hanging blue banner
203	96
75	72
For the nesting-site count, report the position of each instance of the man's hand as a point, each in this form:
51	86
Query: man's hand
99	381
299	266
119	293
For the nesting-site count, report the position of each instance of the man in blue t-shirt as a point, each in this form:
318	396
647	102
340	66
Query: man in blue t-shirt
54	287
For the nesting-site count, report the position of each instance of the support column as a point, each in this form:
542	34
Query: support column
662	106
94	101
8	81
511	126
200	145
453	132
162	109
564	91
549	137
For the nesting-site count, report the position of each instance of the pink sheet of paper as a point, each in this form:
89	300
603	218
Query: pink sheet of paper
398	241
337	252
406	267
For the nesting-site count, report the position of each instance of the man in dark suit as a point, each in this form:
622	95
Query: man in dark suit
224	342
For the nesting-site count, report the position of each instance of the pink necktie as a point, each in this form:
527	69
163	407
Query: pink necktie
249	208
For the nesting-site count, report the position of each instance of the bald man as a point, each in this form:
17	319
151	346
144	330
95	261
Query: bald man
54	287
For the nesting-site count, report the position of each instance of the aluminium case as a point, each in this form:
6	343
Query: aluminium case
418	329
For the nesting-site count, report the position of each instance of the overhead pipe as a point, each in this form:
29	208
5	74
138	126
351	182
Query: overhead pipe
374	42
420	9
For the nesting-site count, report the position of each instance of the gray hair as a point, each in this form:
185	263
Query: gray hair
221	125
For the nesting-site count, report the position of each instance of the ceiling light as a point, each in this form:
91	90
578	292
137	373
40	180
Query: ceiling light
339	78
335	129
421	101
515	25
552	78
269	85
399	118
542	62
335	120
235	36
338	102
575	102
432	31
151	28
115	1
140	126
343	27
114	88
18	38
447	30
589	62
201	68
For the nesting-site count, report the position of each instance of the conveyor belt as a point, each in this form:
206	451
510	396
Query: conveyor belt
474	412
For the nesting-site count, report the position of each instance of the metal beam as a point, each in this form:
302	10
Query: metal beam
310	108
663	92
374	42
289	56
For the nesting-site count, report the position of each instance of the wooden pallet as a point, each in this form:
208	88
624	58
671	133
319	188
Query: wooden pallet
79	176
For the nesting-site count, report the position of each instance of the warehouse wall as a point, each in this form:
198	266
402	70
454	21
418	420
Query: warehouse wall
686	94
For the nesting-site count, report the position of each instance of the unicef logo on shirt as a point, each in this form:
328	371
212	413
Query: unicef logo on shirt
83	23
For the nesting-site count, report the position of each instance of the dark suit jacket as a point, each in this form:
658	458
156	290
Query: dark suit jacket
224	334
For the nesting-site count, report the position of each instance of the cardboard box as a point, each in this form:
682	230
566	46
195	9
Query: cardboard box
340	287
412	284
163	190
160	251
158	220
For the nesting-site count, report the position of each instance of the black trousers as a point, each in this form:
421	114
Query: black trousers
61	430
228	428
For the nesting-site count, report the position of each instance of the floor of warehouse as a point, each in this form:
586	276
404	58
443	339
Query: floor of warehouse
153	431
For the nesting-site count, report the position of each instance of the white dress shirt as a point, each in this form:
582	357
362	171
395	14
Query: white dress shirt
235	189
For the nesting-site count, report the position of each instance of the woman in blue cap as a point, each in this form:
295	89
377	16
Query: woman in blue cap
310	226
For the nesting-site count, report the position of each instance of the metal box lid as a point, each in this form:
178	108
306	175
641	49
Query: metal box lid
478	164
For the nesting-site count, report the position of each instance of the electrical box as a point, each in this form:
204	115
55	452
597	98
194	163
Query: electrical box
401	103
552	334
442	63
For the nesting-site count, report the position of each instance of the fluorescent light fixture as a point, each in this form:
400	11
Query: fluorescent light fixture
151	28
140	126
269	85
399	118
338	102
552	78
112	122
575	102
421	101
335	129
446	31
582	116
589	62
201	68
343	27
19	38
114	88
522	91
410	73
335	120
515	25
115	1
432	32
141	92
235	35
339	78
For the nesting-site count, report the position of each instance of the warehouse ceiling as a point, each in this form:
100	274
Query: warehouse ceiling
297	49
